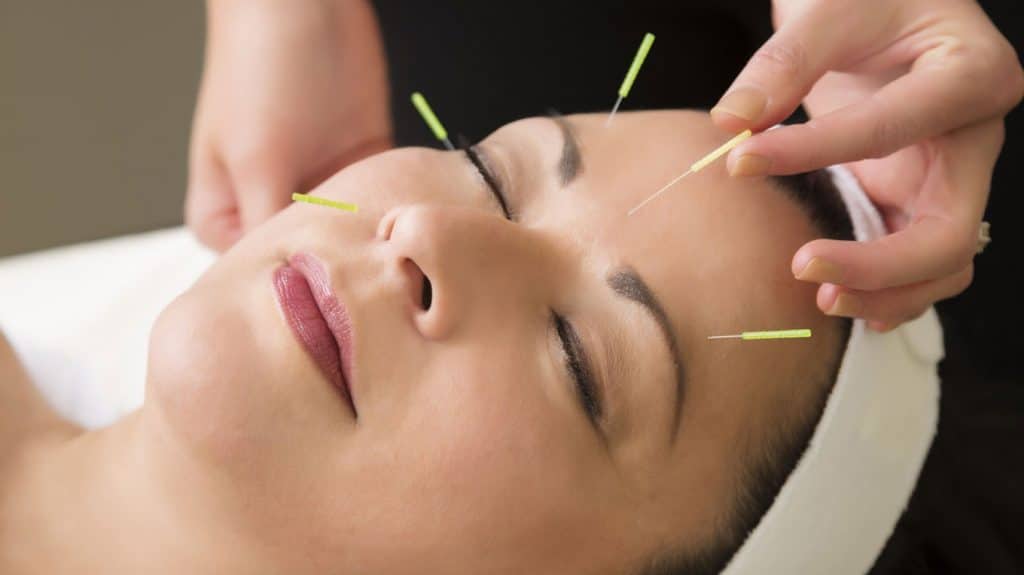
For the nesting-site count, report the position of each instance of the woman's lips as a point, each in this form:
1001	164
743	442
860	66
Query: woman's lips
317	318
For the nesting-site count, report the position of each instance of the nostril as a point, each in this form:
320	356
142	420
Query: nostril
421	291
427	295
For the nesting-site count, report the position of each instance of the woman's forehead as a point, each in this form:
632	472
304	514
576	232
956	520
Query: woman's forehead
731	237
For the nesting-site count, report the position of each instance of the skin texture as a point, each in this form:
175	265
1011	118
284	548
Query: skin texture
911	96
471	452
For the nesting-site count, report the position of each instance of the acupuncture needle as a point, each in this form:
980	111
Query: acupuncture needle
306	198
775	334
634	69
421	105
699	165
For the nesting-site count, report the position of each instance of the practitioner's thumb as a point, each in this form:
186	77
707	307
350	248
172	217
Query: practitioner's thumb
781	73
211	209
259	200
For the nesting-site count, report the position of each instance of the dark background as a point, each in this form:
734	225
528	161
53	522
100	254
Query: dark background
482	64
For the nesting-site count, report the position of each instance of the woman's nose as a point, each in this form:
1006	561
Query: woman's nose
447	260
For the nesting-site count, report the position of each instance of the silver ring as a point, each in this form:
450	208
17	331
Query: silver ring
984	238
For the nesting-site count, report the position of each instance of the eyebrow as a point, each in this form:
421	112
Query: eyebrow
628	284
570	164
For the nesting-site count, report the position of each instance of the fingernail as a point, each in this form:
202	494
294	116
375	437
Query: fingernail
821	271
880	326
744	103
750	165
846	305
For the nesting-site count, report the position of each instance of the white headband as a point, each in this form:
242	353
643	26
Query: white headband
838	508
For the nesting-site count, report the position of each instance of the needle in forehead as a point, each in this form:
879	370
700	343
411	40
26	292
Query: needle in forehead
634	69
698	166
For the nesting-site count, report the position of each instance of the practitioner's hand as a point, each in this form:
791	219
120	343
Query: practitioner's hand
292	92
911	96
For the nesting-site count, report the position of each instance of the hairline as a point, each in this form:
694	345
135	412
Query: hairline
763	475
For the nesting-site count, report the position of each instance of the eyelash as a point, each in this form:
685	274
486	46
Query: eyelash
586	390
489	179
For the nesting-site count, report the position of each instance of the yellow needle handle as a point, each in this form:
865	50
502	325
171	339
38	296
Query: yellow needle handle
325	202
720	151
634	68
421	105
778	334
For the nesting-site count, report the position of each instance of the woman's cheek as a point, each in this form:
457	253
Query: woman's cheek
476	453
396	177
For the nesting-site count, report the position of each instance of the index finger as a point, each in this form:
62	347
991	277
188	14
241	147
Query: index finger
935	98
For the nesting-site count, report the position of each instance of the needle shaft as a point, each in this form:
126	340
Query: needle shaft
658	193
699	164
615	108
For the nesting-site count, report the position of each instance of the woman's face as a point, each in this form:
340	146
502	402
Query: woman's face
554	405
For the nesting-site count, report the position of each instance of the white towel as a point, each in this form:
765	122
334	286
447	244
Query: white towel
79	317
838	508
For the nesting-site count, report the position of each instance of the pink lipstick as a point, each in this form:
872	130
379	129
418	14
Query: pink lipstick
317	319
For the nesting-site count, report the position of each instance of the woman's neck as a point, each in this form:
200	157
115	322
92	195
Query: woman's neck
116	500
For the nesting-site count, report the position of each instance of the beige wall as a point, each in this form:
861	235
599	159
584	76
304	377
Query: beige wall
96	99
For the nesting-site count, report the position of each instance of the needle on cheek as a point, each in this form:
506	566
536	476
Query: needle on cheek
306	198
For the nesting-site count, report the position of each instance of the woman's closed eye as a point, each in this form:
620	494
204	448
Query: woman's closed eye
577	363
492	182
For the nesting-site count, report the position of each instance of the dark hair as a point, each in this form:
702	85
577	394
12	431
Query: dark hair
767	469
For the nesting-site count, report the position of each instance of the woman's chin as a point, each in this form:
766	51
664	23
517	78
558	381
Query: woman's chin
203	378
